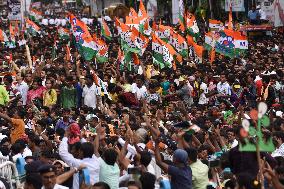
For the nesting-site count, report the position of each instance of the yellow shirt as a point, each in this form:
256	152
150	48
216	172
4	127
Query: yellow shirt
49	97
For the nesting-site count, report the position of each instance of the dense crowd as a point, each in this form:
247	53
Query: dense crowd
155	128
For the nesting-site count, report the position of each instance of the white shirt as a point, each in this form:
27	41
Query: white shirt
44	22
57	186
51	21
140	92
22	42
279	152
262	14
203	99
85	20
93	164
57	22
224	88
23	89
63	22
90	96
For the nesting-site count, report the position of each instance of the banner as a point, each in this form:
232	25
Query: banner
237	5
175	11
279	13
152	8
268	8
14	12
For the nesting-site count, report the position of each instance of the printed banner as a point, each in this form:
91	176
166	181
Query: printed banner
279	13
237	5
14	12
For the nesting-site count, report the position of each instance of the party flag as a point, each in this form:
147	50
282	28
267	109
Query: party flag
215	25
35	15
132	13
102	53
181	15
142	11
105	30
3	36
63	33
191	25
32	28
163	53
179	43
84	40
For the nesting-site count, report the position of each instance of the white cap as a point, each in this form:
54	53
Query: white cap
258	7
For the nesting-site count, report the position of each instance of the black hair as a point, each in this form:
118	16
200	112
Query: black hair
34	139
87	149
192	154
9	78
47	154
147	180
34	179
102	185
110	156
145	158
46	109
16	148
60	132
30	157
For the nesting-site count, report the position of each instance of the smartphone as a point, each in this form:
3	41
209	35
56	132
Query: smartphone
134	171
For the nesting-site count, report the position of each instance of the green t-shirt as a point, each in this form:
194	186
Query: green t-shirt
109	174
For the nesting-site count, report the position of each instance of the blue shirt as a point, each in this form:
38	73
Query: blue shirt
61	124
252	15
181	177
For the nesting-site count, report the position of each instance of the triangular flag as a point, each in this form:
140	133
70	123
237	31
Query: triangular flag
105	30
142	11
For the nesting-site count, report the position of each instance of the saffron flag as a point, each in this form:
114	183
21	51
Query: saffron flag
191	25
132	13
163	54
84	40
3	36
179	43
32	28
181	15
105	30
63	33
162	32
215	25
140	41
102	53
227	42
142	11
35	15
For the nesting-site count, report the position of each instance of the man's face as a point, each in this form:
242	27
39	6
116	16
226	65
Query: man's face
59	169
223	78
231	136
48	180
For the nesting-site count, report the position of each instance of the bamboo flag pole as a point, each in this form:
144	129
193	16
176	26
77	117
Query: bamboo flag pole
29	56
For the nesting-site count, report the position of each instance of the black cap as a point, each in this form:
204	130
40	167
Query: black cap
46	168
33	166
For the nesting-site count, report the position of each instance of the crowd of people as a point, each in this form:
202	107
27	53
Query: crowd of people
159	128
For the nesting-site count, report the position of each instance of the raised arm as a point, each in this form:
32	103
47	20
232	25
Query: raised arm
65	155
6	117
